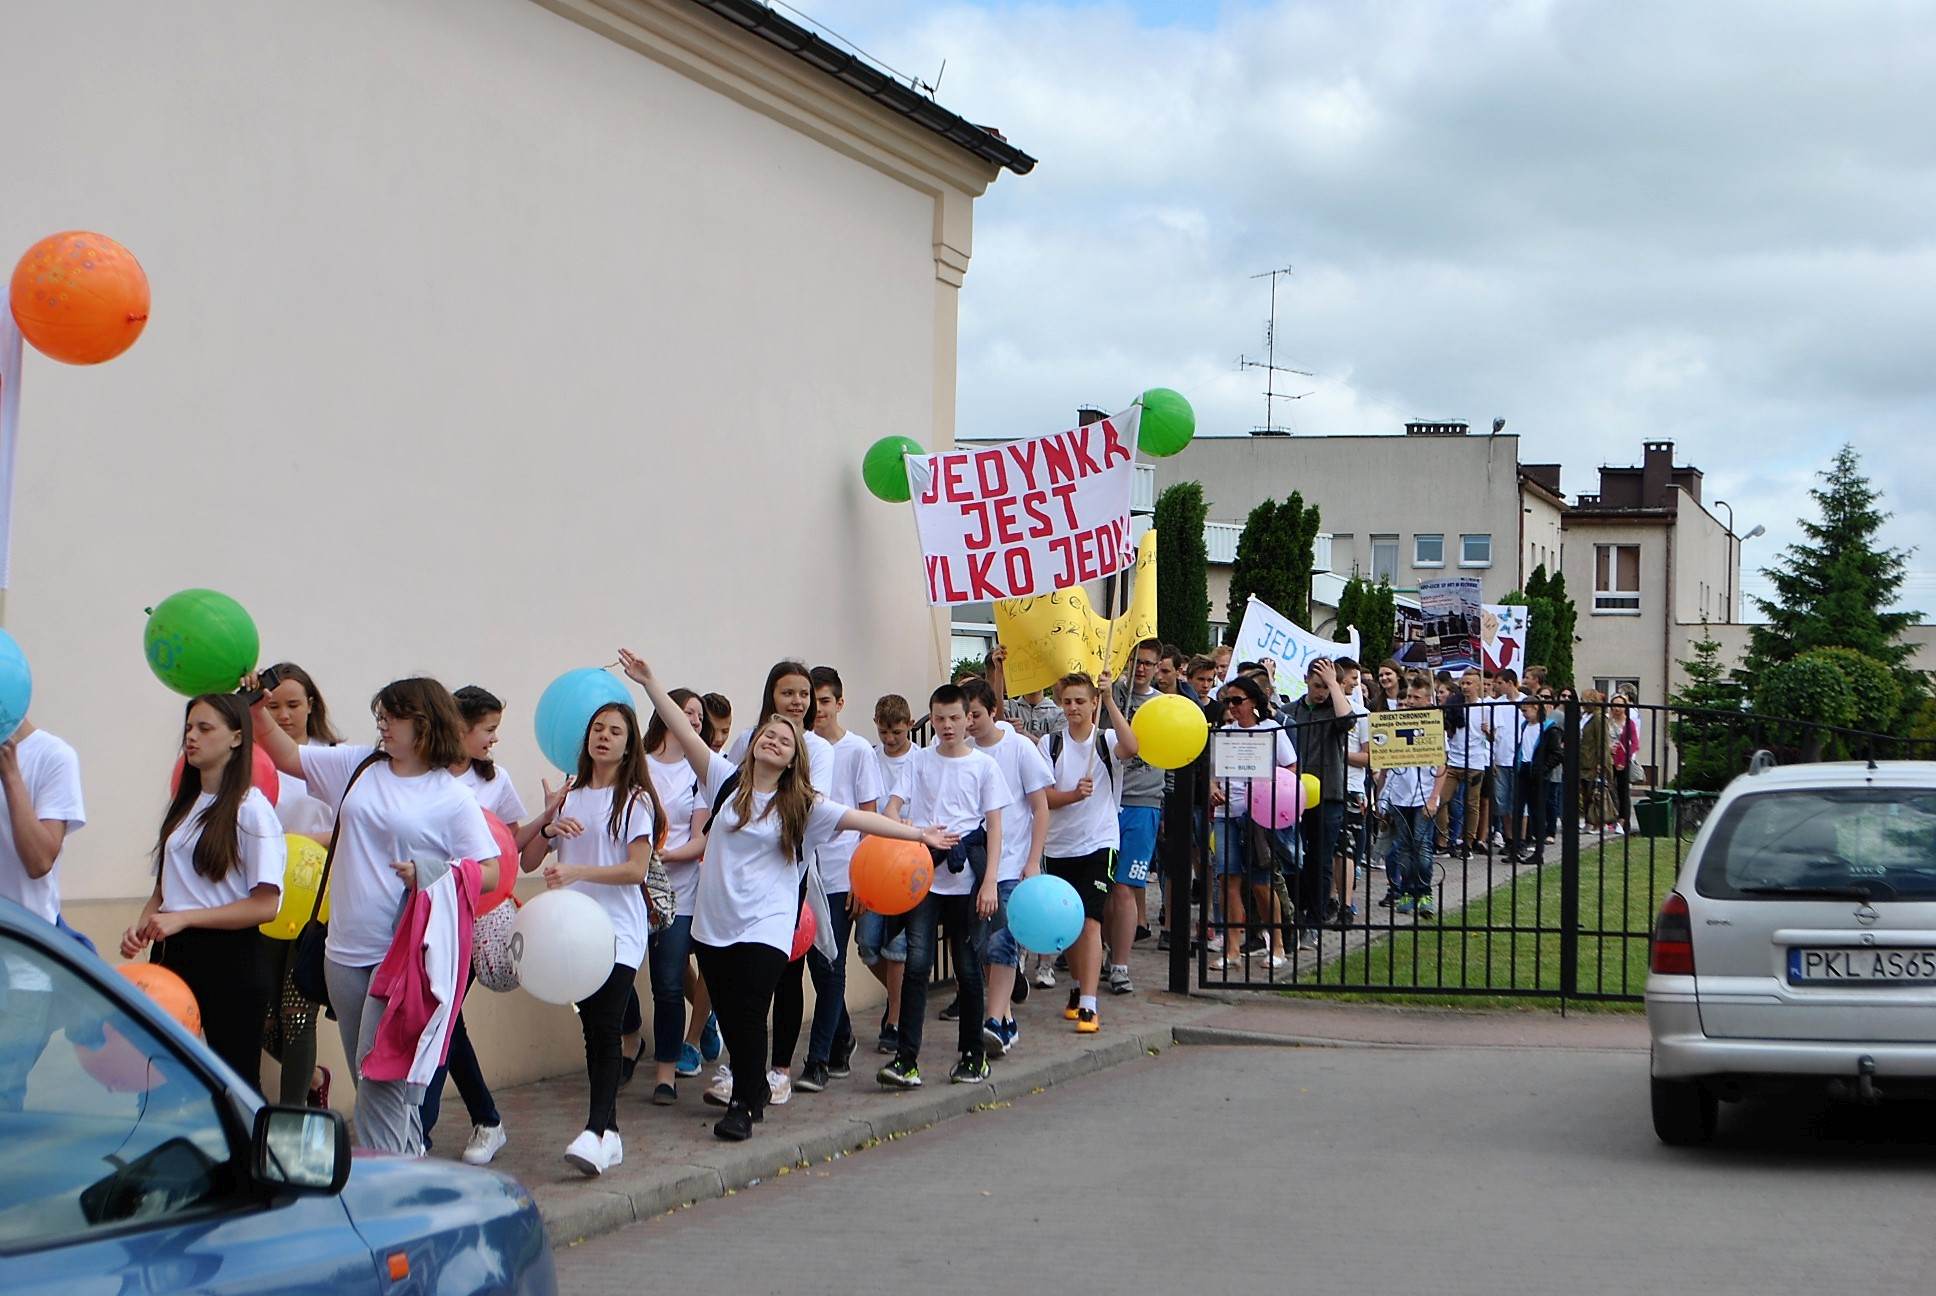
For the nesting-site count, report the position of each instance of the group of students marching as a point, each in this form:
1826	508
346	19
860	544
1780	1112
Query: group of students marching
737	826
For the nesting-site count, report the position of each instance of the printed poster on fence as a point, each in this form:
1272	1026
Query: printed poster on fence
1446	634
1402	738
1267	633
1502	636
1051	635
1029	517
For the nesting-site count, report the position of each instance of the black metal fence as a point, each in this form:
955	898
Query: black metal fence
1543	884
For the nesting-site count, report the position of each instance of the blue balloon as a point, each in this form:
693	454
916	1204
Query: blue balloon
1044	914
565	709
16	686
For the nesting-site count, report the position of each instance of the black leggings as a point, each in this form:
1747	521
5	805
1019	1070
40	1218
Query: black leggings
789	1010
600	1015
741	978
229	978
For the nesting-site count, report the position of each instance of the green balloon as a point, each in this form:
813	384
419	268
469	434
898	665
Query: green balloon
885	471
1168	423
200	641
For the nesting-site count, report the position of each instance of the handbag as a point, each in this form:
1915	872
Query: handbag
307	971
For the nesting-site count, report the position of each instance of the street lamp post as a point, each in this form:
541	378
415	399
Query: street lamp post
1734	551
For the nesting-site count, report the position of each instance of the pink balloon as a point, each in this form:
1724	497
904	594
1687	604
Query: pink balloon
1276	802
265	776
803	934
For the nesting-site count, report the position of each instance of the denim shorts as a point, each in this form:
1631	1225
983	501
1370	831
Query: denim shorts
1002	949
1232	854
868	930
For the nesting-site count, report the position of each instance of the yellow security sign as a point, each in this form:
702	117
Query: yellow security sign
1402	738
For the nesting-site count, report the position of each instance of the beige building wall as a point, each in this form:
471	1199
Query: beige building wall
1617	644
487	337
1545	534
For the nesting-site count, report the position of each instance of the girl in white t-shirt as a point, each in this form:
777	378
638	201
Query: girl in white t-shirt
297	707
496	794
604	823
218	876
748	899
669	951
1239	864
396	803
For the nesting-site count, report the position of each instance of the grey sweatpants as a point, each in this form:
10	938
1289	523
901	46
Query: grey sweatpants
389	1113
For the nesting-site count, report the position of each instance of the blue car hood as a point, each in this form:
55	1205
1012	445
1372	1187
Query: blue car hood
470	1224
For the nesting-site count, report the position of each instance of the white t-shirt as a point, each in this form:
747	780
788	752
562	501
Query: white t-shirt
678	789
1091	824
820	758
1355	742
748	890
498	795
258	835
1238	790
300	812
1470	749
1024	770
856	781
386	819
624	905
958	793
1503	715
52	774
893	772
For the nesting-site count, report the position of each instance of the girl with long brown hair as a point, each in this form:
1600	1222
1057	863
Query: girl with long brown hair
219	859
750	887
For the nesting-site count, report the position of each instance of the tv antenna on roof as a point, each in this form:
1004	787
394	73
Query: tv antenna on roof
1269	364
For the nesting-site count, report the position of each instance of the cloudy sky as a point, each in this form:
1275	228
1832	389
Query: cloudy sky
1605	222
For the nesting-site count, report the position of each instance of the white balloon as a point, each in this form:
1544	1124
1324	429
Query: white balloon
562	946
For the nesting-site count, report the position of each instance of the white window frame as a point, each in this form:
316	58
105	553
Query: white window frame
1476	535
1615	601
1612	684
1418	555
1391	541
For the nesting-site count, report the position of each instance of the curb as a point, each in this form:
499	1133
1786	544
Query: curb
1221	1036
574	1212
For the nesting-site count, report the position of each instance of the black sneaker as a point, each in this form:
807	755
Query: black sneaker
901	1073
736	1126
629	1065
1162	940
972	1069
664	1096
1019	995
841	1064
890	1040
953	1011
812	1078
1142	934
1387	900
1062	962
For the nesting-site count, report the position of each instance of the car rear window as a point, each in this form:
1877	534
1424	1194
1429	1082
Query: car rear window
1878	841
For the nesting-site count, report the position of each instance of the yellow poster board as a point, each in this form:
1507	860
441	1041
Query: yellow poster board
1053	635
1402	738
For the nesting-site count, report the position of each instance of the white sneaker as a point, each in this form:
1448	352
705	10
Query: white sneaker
782	1086
720	1092
586	1154
486	1142
613	1147
1045	976
1278	961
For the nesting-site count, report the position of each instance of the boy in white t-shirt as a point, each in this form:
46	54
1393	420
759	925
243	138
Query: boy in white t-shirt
856	782
1084	828
886	955
1025	827
41	778
958	787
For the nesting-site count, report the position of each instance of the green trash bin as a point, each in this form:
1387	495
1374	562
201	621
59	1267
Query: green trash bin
1656	814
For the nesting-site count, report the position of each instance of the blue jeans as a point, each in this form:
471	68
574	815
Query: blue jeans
967	946
830	1022
1412	842
1002	949
1506	805
665	953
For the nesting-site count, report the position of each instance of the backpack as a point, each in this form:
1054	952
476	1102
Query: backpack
1102	752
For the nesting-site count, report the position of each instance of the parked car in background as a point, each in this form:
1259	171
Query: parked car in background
133	1160
1798	948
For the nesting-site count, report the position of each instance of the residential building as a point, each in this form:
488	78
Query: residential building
488	335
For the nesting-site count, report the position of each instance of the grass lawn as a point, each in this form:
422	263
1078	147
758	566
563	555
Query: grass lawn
1494	947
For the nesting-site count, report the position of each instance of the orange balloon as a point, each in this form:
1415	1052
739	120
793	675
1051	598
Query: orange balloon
79	297
168	990
890	876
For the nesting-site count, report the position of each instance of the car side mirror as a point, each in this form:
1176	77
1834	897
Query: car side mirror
300	1149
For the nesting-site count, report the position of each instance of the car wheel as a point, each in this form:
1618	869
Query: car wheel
1684	1112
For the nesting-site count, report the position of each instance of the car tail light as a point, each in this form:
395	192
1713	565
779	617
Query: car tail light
1674	938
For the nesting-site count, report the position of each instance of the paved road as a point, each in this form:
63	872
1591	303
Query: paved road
1372	1170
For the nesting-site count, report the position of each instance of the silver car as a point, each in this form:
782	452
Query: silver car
1798	948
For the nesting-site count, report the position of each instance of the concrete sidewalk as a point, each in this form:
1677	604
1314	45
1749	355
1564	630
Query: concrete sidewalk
672	1158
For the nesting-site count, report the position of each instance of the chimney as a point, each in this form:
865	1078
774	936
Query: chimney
1656	474
1087	414
1435	429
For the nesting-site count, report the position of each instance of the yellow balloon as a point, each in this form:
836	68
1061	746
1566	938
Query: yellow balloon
1170	731
1312	790
300	878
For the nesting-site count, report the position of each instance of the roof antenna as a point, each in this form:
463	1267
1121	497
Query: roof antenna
1269	363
